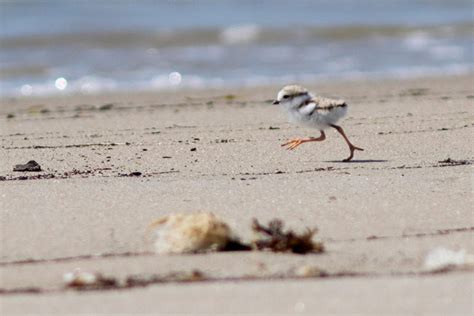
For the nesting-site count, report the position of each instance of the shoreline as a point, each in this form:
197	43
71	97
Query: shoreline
168	87
212	92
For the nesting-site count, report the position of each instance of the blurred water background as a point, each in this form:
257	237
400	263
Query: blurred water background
64	46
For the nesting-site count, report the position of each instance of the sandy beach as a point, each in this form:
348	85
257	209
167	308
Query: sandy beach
112	163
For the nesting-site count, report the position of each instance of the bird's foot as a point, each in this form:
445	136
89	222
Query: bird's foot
352	148
292	144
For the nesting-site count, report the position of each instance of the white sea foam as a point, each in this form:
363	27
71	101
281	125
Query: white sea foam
341	64
26	90
240	34
447	52
418	41
93	84
175	78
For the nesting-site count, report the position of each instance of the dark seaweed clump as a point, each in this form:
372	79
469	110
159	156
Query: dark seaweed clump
274	238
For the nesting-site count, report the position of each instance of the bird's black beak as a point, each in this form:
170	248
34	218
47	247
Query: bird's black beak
276	102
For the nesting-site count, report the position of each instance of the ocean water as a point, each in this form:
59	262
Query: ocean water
80	46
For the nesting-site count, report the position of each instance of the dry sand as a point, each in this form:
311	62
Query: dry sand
219	151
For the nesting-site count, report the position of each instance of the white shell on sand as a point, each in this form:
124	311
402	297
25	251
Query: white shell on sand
440	258
80	278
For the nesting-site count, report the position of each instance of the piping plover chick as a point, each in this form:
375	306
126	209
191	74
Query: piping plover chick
313	111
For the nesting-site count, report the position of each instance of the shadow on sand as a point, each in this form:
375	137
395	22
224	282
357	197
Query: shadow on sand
358	161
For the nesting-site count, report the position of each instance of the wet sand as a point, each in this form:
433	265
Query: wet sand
112	163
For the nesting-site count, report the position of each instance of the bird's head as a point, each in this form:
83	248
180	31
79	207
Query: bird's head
292	96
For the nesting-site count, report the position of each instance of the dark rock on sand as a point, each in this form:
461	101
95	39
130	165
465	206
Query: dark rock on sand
29	166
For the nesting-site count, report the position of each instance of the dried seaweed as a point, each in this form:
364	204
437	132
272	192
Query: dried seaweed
148	279
236	245
82	280
274	238
453	162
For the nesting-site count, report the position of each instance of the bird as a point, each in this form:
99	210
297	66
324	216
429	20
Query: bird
313	111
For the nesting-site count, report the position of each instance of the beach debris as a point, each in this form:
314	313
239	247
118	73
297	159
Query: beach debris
35	109
29	166
87	280
442	259
147	279
415	92
106	107
10	115
309	271
190	233
274	238
453	162
204	232
221	141
83	280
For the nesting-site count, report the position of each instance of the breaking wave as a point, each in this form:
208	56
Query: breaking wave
235	35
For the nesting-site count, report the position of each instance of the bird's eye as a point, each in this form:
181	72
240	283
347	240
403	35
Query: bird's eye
286	96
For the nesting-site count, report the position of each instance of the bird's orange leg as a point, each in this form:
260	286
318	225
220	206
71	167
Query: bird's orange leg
351	146
292	144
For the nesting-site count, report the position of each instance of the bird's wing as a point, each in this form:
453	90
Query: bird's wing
328	104
308	108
